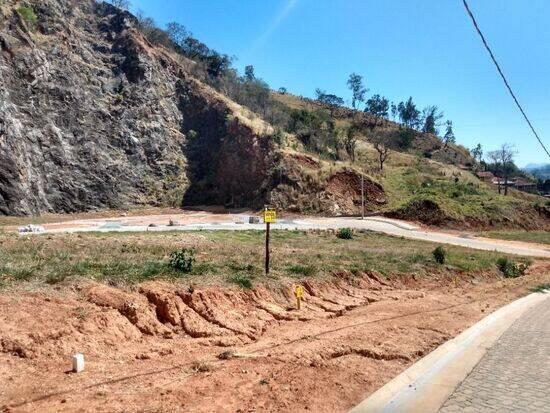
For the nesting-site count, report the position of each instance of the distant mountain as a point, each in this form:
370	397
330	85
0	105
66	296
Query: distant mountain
540	171
531	166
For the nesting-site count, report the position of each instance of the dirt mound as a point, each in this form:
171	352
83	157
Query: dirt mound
345	188
426	211
161	309
157	309
306	185
355	331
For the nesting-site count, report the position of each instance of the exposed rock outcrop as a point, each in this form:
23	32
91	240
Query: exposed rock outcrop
93	116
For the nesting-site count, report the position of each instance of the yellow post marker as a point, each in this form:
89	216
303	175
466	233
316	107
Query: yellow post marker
270	217
299	293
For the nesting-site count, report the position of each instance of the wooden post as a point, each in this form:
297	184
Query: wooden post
267	248
362	197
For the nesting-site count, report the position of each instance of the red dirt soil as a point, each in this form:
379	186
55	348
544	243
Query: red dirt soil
170	347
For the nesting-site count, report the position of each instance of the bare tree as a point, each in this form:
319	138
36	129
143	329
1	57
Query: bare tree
383	152
503	159
350	142
121	4
494	158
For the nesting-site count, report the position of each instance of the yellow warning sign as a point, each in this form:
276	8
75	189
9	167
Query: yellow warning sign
270	216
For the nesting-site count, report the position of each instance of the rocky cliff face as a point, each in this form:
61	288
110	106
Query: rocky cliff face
92	115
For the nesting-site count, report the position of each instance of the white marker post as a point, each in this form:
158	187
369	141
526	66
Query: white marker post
78	363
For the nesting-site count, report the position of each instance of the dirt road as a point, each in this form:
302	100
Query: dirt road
167	347
192	221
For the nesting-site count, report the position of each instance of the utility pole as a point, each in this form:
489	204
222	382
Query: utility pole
362	197
270	216
268	224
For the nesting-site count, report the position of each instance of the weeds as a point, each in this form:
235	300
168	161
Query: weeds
241	280
345	233
439	255
183	260
510	269
200	366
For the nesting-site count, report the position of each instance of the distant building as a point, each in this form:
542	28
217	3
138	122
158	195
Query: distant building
485	176
523	184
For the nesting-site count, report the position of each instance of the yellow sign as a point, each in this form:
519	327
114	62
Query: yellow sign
270	216
299	293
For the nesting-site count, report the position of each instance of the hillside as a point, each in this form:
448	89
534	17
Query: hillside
426	182
95	115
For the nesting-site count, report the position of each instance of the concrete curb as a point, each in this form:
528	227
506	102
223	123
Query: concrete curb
426	385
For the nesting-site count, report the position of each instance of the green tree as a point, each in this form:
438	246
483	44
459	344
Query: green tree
393	110
177	33
249	73
355	84
378	106
477	152
431	116
329	99
449	136
409	114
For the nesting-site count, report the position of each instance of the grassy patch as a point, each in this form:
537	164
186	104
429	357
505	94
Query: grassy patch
28	15
222	256
302	270
241	280
542	288
539	237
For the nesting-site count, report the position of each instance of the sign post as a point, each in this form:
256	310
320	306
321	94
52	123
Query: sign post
270	216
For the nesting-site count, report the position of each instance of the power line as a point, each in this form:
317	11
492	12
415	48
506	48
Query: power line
503	77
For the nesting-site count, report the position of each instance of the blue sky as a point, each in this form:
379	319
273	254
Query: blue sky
426	49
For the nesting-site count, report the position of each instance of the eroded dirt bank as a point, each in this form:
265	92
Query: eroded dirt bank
164	347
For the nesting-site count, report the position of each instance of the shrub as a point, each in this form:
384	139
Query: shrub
183	260
241	281
345	233
28	15
278	137
510	269
439	255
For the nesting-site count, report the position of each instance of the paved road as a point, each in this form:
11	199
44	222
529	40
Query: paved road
236	222
514	375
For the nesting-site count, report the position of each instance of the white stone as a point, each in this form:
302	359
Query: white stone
78	363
